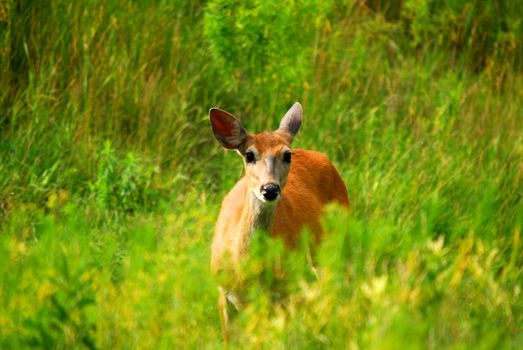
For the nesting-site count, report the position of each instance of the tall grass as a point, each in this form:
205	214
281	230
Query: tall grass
110	179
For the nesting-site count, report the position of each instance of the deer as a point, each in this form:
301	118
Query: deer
283	191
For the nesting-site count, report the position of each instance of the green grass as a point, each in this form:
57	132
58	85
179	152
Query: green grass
111	180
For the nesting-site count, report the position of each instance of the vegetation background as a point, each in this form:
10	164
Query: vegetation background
110	179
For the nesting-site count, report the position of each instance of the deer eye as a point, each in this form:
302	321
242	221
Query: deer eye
249	157
287	157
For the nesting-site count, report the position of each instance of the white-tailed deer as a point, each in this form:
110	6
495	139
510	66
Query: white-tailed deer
282	192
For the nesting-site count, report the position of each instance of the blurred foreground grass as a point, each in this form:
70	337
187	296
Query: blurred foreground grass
110	179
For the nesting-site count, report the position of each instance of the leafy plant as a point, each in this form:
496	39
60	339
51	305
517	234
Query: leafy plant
103	113
265	44
122	184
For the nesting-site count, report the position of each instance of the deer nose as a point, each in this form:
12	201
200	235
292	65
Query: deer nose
270	191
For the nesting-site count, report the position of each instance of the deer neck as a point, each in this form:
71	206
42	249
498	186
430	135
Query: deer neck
256	215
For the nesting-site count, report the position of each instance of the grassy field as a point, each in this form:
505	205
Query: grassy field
111	180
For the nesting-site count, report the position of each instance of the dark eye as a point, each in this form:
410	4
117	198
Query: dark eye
249	157
287	157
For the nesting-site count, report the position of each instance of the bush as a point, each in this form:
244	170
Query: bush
266	45
122	184
484	34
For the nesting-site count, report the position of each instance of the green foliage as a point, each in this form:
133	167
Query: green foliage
487	32
269	44
110	179
122	184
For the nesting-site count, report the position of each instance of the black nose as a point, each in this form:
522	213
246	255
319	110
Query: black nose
270	191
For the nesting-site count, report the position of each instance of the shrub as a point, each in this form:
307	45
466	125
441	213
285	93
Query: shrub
123	184
264	44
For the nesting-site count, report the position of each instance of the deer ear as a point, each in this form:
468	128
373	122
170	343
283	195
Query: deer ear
291	121
227	129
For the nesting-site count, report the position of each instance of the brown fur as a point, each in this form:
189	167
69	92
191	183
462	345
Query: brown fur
308	184
312	183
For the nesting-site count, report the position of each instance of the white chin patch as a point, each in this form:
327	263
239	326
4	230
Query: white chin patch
263	200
